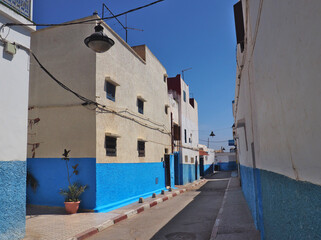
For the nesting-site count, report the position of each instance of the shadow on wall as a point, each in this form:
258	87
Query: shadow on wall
52	176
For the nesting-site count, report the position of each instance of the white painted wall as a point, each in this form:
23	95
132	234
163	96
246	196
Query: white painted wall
280	88
209	159
225	157
137	75
188	121
14	82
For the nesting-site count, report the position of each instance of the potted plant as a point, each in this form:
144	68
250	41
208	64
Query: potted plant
74	190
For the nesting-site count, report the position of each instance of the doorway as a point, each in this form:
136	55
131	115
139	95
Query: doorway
167	171
196	169
202	166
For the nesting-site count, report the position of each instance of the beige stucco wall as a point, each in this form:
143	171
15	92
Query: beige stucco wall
64	123
279	89
135	77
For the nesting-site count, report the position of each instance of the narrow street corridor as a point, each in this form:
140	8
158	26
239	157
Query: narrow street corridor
189	216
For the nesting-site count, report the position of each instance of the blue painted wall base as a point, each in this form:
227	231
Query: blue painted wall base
119	184
110	185
227	166
184	173
283	208
51	174
12	199
208	169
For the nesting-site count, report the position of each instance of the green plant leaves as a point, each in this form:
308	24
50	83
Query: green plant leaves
73	192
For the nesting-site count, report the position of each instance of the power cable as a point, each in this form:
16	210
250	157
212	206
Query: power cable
213	141
100	107
79	22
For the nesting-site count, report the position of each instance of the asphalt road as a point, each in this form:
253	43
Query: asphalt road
188	216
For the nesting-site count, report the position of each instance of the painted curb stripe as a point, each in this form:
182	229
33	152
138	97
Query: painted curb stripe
152	204
86	234
92	231
120	218
139	210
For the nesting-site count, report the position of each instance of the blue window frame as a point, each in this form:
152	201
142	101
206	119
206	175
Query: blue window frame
140	105
110	91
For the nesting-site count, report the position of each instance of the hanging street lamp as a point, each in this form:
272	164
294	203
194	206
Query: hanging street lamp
98	41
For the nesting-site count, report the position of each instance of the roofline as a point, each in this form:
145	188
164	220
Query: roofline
105	25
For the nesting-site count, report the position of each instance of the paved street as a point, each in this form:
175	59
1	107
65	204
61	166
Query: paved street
188	216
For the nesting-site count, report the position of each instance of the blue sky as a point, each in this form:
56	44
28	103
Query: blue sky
181	34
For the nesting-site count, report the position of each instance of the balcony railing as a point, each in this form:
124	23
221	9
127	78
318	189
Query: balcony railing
21	6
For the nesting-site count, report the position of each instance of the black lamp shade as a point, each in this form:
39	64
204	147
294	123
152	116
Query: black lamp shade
98	41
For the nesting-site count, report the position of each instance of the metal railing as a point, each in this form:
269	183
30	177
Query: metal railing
21	6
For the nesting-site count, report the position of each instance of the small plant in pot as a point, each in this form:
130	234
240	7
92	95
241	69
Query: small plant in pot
74	190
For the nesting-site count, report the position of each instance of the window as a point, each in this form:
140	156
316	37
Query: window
141	148
165	77
140	105
186	158
177	132
184	96
192	160
166	109
110	91
166	150
110	145
190	139
185	136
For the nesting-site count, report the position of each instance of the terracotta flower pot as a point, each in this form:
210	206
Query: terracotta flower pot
72	207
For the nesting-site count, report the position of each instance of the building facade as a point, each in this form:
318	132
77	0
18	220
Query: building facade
14	82
207	157
277	115
185	121
226	161
123	145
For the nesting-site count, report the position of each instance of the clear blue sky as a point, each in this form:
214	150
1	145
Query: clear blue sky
181	34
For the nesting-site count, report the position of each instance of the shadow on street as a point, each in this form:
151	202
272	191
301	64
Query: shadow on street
197	219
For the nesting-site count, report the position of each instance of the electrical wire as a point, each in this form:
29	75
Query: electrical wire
86	100
101	108
213	141
80	22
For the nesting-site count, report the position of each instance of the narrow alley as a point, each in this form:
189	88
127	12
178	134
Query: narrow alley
189	216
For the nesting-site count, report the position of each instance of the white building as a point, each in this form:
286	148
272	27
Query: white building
207	160
185	120
123	146
277	115
14	84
